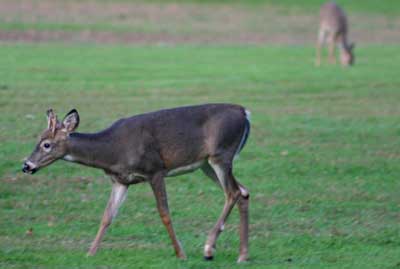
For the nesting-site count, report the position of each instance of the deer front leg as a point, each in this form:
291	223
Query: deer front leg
332	47
158	186
318	56
118	195
320	42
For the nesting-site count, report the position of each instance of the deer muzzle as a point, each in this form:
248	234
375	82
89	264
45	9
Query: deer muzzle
29	168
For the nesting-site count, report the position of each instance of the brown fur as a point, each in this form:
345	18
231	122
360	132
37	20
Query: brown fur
334	28
148	147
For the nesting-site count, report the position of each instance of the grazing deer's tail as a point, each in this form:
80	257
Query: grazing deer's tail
246	133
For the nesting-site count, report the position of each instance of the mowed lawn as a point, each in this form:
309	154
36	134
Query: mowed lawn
322	162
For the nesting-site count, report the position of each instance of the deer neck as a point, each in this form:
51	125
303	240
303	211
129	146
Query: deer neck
93	150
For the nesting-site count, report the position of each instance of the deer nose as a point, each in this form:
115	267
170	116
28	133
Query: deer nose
25	167
29	167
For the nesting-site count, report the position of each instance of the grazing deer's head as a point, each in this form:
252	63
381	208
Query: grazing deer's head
347	55
52	142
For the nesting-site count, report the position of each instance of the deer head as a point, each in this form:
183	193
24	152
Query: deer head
347	55
52	143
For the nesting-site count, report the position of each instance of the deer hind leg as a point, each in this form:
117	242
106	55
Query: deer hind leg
234	191
158	186
243	205
117	197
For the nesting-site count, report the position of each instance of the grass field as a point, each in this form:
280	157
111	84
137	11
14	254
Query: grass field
321	163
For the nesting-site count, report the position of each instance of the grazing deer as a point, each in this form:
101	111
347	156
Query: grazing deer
333	27
150	147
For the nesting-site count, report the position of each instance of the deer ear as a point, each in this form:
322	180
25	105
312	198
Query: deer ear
51	120
70	121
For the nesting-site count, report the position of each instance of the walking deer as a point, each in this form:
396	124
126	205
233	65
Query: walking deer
150	147
333	27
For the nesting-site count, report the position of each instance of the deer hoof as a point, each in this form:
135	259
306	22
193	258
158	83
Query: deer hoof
242	258
181	256
91	252
208	258
208	252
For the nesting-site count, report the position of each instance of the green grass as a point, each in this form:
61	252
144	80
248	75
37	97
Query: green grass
387	7
322	161
191	16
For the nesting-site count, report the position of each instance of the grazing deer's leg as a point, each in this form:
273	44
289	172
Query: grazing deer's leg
320	42
223	173
118	195
332	47
158	185
243	204
318	57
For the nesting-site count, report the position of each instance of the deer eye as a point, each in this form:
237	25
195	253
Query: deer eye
46	145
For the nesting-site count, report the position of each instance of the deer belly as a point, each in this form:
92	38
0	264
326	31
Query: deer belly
185	169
